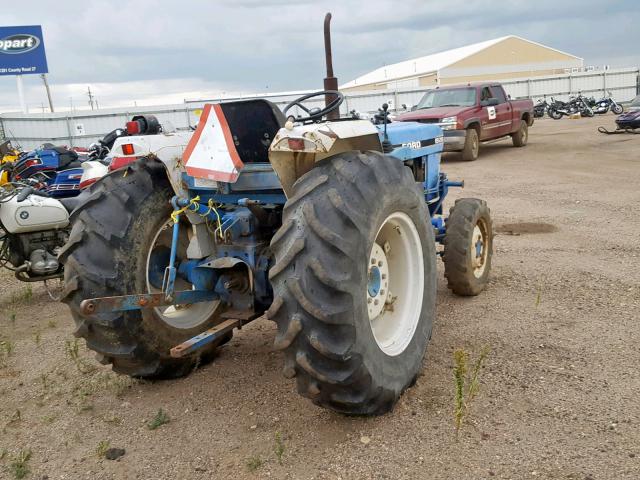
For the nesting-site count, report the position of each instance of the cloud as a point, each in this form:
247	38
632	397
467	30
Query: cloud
146	49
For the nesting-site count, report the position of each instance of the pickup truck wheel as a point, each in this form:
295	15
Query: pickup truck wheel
471	145
521	137
354	282
468	246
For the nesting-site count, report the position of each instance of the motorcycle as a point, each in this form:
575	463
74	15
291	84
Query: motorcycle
8	154
99	158
33	229
557	109
540	108
605	104
57	170
575	105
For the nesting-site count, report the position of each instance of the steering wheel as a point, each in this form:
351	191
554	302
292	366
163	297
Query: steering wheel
316	113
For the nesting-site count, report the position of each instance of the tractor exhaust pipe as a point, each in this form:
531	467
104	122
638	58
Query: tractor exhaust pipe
330	82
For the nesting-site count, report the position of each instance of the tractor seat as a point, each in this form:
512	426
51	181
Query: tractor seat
253	125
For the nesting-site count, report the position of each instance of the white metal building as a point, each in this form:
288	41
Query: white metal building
498	59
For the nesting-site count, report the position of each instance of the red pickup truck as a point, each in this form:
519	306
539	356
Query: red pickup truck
473	113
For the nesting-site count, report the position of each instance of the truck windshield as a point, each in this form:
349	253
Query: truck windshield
455	97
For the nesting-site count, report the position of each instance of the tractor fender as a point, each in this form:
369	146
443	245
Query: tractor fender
296	148
167	148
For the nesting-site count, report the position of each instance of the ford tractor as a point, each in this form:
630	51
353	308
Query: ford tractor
327	226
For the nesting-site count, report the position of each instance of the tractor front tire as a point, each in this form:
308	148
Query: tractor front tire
471	148
107	255
521	137
468	246
354	282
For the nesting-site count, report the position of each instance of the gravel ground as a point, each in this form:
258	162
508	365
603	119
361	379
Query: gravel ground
558	394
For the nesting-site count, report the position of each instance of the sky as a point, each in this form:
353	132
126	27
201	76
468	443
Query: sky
157	52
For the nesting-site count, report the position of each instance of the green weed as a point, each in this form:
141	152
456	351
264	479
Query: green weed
46	384
279	447
16	417
254	463
160	419
52	324
18	465
23	296
459	375
114	419
12	318
72	349
6	349
49	419
116	384
101	449
466	383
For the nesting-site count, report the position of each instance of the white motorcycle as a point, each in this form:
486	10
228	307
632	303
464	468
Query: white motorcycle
33	229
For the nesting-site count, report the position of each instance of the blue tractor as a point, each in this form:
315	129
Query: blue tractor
328	226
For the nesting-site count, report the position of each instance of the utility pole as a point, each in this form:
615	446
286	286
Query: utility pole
20	85
91	97
46	86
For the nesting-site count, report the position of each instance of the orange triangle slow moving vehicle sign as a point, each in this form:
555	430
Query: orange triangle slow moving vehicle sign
211	152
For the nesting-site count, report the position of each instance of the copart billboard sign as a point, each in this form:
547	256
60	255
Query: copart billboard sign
22	50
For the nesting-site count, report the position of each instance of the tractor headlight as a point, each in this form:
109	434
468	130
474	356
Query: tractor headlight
449	123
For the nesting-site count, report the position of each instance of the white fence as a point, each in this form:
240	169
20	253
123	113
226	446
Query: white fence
83	128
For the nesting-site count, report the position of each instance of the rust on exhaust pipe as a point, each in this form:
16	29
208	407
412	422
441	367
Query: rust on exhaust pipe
330	82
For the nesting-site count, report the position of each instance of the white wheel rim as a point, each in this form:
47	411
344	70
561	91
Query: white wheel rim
178	316
479	249
395	286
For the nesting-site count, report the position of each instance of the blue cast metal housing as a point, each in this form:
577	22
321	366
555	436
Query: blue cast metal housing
421	145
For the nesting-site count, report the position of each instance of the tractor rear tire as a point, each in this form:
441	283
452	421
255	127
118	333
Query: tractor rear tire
350	214
471	148
467	263
106	255
521	137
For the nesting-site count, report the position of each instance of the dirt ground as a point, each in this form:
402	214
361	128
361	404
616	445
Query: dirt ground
558	395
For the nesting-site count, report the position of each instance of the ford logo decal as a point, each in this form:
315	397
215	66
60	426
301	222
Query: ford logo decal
19	43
